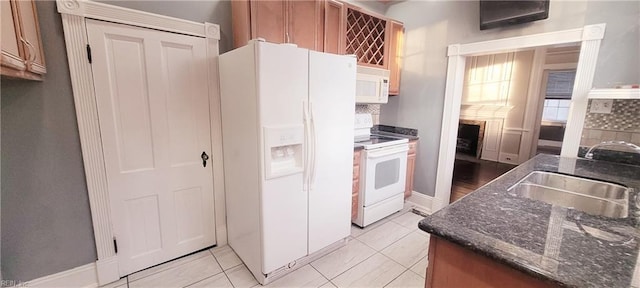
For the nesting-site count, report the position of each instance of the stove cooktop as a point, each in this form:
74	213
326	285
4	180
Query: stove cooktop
378	141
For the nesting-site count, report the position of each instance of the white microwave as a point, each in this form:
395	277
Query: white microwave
372	85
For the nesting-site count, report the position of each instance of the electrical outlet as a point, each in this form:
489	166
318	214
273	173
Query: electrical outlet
602	106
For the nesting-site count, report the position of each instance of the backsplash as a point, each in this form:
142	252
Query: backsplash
374	109
623	124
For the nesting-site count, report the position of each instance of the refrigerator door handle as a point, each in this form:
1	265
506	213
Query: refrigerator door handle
307	140
313	141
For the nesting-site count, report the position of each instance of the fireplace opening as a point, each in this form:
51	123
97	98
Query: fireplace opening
470	137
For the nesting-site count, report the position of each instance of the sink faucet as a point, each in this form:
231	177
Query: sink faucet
634	147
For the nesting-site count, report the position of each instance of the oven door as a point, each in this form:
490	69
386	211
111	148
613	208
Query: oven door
385	172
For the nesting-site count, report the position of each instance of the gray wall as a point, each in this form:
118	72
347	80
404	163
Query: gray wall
374	6
45	209
46	220
433	25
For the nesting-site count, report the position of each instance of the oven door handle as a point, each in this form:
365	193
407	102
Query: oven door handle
387	151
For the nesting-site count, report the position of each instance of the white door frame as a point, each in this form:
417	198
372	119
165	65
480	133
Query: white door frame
589	38
540	87
74	13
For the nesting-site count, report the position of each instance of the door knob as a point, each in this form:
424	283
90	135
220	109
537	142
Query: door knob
204	157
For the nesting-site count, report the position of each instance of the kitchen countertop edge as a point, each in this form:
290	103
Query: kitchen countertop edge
509	262
469	238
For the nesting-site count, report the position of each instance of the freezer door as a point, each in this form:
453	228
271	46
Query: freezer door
282	94
332	88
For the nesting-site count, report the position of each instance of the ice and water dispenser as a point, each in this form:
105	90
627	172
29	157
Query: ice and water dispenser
283	151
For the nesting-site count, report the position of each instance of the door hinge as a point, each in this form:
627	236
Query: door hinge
115	245
89	53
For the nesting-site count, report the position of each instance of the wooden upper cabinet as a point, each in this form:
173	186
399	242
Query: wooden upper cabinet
268	19
22	52
334	27
31	35
330	26
396	36
366	37
295	21
241	22
12	53
376	41
305	24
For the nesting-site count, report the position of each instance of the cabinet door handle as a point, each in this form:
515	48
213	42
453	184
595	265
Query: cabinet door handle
34	50
28	50
31	56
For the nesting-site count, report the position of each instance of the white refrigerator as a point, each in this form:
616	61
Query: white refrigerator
288	124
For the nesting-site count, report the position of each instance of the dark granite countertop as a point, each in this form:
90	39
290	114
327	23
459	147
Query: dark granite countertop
357	147
409	133
623	157
545	241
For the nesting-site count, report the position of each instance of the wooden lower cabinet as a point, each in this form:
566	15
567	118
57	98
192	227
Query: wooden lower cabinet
355	188
451	265
411	165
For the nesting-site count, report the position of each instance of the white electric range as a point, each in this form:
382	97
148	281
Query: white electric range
383	172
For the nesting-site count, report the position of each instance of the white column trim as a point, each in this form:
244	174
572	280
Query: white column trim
531	110
580	97
213	47
450	119
589	37
74	13
421	201
89	130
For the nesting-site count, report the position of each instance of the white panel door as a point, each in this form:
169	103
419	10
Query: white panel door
153	107
332	90
283	83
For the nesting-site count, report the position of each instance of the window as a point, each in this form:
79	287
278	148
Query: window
558	95
556	110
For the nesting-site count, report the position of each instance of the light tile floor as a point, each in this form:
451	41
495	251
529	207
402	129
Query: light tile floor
389	253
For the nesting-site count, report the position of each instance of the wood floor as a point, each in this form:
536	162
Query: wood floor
469	175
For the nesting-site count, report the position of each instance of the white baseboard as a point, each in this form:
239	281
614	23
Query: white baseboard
422	202
438	204
509	158
107	270
83	276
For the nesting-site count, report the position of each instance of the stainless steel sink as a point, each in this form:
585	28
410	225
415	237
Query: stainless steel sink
587	195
